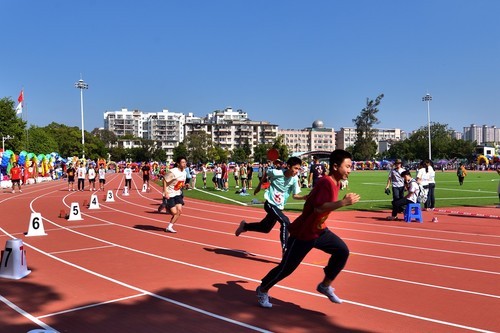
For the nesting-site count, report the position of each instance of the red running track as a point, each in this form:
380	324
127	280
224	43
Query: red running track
118	271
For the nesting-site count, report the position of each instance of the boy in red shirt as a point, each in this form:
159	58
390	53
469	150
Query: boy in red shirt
15	177
309	231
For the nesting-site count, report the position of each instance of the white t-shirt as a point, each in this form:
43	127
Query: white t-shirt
413	188
423	176
81	171
102	173
431	175
91	173
128	173
175	187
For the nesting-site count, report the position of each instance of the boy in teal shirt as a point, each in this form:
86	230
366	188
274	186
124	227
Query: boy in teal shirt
283	183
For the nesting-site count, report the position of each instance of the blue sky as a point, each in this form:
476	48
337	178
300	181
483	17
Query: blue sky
287	62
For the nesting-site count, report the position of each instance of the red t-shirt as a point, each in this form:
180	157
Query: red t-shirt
15	173
309	224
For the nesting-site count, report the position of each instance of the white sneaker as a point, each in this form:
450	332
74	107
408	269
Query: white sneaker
329	292
435	219
170	229
263	299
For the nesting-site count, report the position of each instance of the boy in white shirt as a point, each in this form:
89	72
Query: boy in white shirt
128	176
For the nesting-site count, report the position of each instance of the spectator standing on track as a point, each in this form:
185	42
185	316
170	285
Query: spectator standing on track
15	177
81	172
461	173
173	183
102	177
397	181
309	231
283	183
128	176
70	172
91	174
316	172
146	171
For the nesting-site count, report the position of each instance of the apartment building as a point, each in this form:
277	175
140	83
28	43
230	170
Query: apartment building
313	138
482	134
346	137
230	129
227	128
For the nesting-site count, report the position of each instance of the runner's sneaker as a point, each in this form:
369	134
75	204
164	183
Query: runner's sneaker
263	299
329	292
434	219
241	228
391	218
170	229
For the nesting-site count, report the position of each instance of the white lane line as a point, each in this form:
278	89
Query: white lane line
91	306
26	314
140	290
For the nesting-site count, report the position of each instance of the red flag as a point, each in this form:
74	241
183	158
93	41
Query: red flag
20	99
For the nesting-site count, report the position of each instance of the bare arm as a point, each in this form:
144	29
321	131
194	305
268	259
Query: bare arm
300	197
349	199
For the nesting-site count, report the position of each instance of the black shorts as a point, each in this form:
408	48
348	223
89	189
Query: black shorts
145	178
171	202
71	179
16	181
92	180
102	181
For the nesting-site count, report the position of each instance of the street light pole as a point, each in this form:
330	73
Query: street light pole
8	137
82	85
428	98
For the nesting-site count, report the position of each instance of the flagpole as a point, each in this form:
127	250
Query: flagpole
27	128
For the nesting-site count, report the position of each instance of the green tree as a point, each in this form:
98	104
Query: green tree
239	155
159	154
198	144
42	141
260	152
180	150
279	144
118	154
365	147
13	126
106	136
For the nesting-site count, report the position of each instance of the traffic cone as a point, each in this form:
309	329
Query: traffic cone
14	264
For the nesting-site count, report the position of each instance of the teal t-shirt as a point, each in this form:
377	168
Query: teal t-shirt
280	188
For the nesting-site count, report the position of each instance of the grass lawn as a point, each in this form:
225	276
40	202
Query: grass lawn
479	189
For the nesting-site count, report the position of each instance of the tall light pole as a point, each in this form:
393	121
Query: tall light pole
82	85
428	98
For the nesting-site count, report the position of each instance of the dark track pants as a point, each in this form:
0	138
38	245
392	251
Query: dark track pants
274	214
296	251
